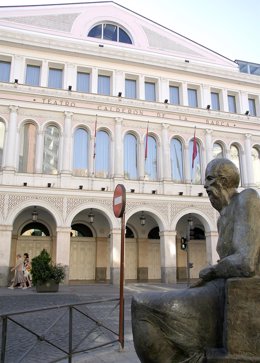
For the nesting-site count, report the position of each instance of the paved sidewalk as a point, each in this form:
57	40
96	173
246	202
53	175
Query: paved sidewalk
21	300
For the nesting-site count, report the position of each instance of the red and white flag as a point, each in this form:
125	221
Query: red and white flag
195	149
146	142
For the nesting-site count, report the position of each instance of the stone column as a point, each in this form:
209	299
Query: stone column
164	89
224	100
243	169
115	251
209	146
39	152
141	88
63	249
184	94
206	96
67	141
118	85
70	76
211	247
166	157
9	162
5	253
94	81
118	147
168	256
243	102
249	160
18	69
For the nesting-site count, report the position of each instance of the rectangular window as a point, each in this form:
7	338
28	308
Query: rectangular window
5	68
252	108
32	75
174	95
55	78
83	82
150	94
192	97
103	85
130	88
232	104
215	101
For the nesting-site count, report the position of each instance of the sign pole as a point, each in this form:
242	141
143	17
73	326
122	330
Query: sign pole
119	202
122	268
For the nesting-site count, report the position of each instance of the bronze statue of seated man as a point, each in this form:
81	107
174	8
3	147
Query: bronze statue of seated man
181	325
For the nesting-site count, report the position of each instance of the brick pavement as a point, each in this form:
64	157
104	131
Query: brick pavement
20	300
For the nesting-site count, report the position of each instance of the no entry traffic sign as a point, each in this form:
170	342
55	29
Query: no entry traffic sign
119	200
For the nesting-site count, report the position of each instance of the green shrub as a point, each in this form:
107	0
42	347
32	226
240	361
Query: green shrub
44	270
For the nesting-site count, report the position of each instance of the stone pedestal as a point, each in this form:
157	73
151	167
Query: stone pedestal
242	322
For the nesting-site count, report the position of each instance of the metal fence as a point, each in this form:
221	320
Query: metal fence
53	334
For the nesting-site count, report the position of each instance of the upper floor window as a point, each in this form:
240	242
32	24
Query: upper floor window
192	97
5	68
2	137
252	108
55	78
235	157
83	82
218	151
32	75
215	101
256	164
27	148
232	104
150	94
103	85
110	32
130	156
174	95
80	152
102	156
51	150
177	160
151	159
195	162
130	88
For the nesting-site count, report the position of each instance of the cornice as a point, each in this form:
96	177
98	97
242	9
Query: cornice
155	59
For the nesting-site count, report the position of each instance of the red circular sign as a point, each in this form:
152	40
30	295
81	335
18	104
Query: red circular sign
119	200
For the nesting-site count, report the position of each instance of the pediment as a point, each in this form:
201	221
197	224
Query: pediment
75	21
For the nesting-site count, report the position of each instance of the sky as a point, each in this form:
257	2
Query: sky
228	27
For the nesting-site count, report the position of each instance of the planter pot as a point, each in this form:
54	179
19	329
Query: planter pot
49	286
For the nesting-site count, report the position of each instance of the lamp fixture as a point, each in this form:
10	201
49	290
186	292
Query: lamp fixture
25	184
69	88
119	94
154	191
80	186
180	193
103	189
247	113
208	107
187	61
34	215
91	216
132	190
166	101
142	219
49	185
16	80
200	194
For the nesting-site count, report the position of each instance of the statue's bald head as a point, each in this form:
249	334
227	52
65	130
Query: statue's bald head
225	170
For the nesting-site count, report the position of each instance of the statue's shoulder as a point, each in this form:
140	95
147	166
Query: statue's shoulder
248	197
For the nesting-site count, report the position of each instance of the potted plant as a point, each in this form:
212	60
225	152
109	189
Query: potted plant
46	275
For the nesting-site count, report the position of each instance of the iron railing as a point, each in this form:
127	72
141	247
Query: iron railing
58	332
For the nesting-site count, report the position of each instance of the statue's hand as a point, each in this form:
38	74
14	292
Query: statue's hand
208	273
198	283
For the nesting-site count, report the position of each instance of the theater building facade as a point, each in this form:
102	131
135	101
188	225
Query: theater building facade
94	95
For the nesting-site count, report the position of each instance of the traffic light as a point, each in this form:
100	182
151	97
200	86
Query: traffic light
183	243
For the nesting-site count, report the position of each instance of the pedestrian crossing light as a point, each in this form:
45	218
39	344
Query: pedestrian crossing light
183	243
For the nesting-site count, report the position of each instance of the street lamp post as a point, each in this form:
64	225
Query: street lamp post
190	224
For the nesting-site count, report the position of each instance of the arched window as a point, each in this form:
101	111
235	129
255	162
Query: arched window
80	152
35	229
110	32
256	165
151	159
154	233
51	150
102	154
217	151
235	158
2	138
130	157
177	160
27	148
195	171
80	230
129	233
